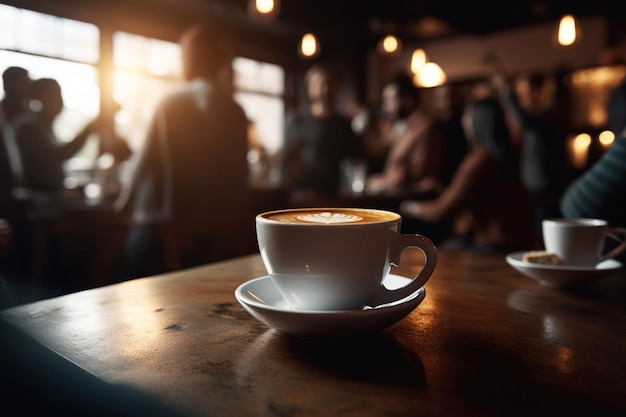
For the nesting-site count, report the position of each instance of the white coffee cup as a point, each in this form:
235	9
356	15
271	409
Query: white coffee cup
337	258
580	242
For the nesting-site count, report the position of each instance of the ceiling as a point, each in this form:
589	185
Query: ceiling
358	22
343	26
420	20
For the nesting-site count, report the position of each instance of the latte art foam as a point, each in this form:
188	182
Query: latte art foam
328	217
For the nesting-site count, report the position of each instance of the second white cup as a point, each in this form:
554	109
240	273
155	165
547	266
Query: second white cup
581	242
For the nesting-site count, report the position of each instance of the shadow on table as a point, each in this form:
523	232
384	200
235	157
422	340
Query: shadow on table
503	387
374	358
36	381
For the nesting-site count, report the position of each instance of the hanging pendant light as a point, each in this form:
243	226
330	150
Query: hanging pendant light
418	59
264	9
426	74
309	46
430	75
568	31
389	45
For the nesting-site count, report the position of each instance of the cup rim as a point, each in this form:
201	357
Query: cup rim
575	222
262	217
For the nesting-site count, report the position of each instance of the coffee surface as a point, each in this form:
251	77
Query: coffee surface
330	216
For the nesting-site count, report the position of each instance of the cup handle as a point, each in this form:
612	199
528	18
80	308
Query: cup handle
427	247
617	234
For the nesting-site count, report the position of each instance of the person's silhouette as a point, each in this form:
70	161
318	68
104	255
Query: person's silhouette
192	173
41	153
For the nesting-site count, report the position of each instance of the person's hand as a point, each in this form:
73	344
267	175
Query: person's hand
410	208
428	185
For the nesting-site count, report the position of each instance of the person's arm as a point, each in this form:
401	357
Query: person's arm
466	182
427	157
38	155
515	116
68	150
409	148
601	191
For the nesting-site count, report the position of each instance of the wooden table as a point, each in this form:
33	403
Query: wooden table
486	341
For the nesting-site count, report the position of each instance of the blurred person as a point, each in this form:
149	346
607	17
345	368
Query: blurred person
416	148
17	89
616	110
364	121
599	192
16	261
448	102
541	138
490	207
317	140
192	170
357	113
42	154
46	252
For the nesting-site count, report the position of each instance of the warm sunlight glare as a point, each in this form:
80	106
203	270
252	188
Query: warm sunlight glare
126	86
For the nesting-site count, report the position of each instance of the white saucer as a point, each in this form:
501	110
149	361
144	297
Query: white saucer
263	301
563	276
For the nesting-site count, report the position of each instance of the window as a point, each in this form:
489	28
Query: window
590	90
145	70
63	49
259	89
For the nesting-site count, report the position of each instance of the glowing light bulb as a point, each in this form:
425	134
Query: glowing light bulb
430	75
582	141
580	147
606	138
309	45
264	9
265	6
567	30
418	59
390	44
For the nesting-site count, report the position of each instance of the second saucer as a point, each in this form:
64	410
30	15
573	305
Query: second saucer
557	276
